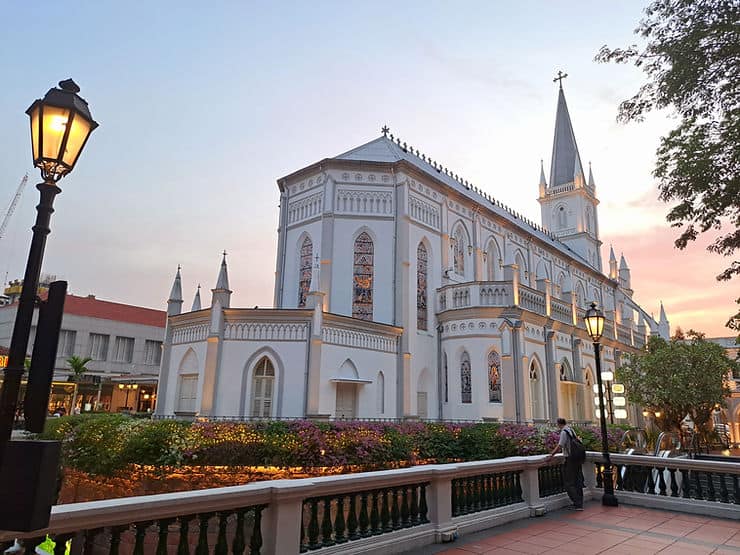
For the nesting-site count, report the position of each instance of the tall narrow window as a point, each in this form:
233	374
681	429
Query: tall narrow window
381	393
458	251
466	380
421	287
447	382
362	286
304	271
494	377
262	386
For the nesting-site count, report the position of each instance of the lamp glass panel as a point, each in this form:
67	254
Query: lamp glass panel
621	414
77	135
617	388
35	131
595	387
54	125
619	402
596	401
607	376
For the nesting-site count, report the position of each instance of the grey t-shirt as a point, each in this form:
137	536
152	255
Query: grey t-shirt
564	441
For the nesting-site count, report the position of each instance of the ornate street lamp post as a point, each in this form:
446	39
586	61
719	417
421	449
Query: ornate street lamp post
60	126
595	326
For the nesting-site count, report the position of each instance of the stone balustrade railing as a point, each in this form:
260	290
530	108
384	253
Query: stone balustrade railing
477	294
375	512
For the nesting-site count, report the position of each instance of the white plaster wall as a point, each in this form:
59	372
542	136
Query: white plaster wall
234	382
346	230
477	344
368	364
173	383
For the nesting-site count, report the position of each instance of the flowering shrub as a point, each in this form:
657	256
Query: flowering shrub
107	444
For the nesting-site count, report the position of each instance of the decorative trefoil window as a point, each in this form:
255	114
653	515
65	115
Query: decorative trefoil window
466	382
304	272
362	280
494	377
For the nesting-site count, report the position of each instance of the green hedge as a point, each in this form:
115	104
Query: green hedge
109	443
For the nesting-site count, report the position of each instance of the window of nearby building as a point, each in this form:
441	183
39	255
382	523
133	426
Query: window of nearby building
66	347
362	282
124	349
466	380
188	393
97	348
421	287
304	272
262	386
494	377
152	352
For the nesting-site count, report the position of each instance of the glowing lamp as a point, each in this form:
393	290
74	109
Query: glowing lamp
594	319
617	388
607	376
61	123
620	413
121	386
646	413
619	402
657	414
597	402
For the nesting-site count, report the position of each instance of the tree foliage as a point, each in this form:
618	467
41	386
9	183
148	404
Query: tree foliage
691	61
678	378
78	365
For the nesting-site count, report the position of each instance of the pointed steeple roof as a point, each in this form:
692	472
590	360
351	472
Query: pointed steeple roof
663	317
543	181
611	254
176	291
222	283
623	263
591	182
565	166
196	300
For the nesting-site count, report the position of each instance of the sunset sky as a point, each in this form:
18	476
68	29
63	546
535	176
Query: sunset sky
202	107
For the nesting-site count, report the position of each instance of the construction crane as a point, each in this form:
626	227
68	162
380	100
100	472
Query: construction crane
13	204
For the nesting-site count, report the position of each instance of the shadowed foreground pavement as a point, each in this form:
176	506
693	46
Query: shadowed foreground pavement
609	530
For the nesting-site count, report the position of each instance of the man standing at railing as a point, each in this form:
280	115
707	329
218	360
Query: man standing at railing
572	471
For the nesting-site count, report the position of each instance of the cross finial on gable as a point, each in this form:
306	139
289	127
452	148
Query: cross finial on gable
560	78
385	129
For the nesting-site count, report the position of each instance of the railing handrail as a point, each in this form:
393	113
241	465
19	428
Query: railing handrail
677	463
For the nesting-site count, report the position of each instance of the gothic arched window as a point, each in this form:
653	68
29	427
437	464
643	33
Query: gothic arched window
304	271
466	380
362	279
458	251
262	387
421	287
562	216
494	377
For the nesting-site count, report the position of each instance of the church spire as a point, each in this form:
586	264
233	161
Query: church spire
543	181
664	326
591	182
565	166
221	292
196	300
174	303
613	274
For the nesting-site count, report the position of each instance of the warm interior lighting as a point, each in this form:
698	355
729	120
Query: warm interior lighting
657	414
646	413
121	386
135	386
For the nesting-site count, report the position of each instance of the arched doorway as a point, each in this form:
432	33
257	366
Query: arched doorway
536	390
568	392
346	398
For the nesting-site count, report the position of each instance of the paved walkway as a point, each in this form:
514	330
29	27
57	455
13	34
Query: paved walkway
610	530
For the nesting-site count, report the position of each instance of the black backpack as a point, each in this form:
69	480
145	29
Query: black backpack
577	449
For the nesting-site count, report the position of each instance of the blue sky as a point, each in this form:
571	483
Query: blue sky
203	106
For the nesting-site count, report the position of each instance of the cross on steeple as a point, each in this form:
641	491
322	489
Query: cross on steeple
560	78
385	129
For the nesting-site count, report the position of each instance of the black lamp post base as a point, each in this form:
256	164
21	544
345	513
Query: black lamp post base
609	500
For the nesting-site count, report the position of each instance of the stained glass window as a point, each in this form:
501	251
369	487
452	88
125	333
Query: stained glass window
494	377
421	287
304	272
458	251
466	381
362	286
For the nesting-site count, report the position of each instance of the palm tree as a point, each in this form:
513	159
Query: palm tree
78	367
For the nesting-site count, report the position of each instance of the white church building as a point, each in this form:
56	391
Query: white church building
403	291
